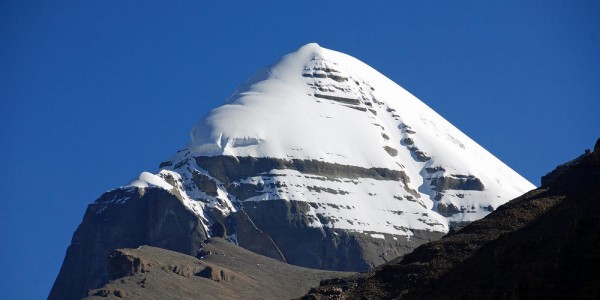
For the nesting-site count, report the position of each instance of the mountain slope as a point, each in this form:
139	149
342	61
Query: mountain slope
224	271
318	160
545	244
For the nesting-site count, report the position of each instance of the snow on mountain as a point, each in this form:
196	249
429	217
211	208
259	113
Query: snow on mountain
319	104
323	128
318	161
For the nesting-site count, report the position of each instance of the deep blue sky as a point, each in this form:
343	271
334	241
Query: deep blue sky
94	92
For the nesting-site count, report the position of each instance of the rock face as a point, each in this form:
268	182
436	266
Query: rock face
338	249
318	160
150	216
290	225
222	271
544	244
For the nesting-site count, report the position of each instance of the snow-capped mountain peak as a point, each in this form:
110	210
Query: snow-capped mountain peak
353	152
319	104
318	161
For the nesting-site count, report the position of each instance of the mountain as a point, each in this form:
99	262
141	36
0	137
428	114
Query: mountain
543	245
318	161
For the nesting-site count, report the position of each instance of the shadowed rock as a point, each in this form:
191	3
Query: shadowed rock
544	244
457	182
124	218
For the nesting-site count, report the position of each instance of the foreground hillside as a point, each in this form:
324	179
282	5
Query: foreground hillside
544	244
224	271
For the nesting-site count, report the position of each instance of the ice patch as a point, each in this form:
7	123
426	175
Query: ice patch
378	236
147	179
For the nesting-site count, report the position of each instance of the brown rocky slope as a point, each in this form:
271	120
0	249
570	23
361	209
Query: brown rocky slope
544	244
223	271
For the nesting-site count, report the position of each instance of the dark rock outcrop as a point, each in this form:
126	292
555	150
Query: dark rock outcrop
124	218
326	248
552	177
447	210
250	237
391	151
457	182
544	244
339	99
228	169
121	264
205	184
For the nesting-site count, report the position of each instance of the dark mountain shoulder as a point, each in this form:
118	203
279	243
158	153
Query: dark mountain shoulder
545	243
224	271
124	218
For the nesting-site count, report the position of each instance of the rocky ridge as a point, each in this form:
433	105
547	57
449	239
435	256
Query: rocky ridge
544	244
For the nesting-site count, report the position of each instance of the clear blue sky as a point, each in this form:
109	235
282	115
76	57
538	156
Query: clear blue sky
94	92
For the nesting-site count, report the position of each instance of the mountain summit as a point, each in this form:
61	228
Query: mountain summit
318	160
407	167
